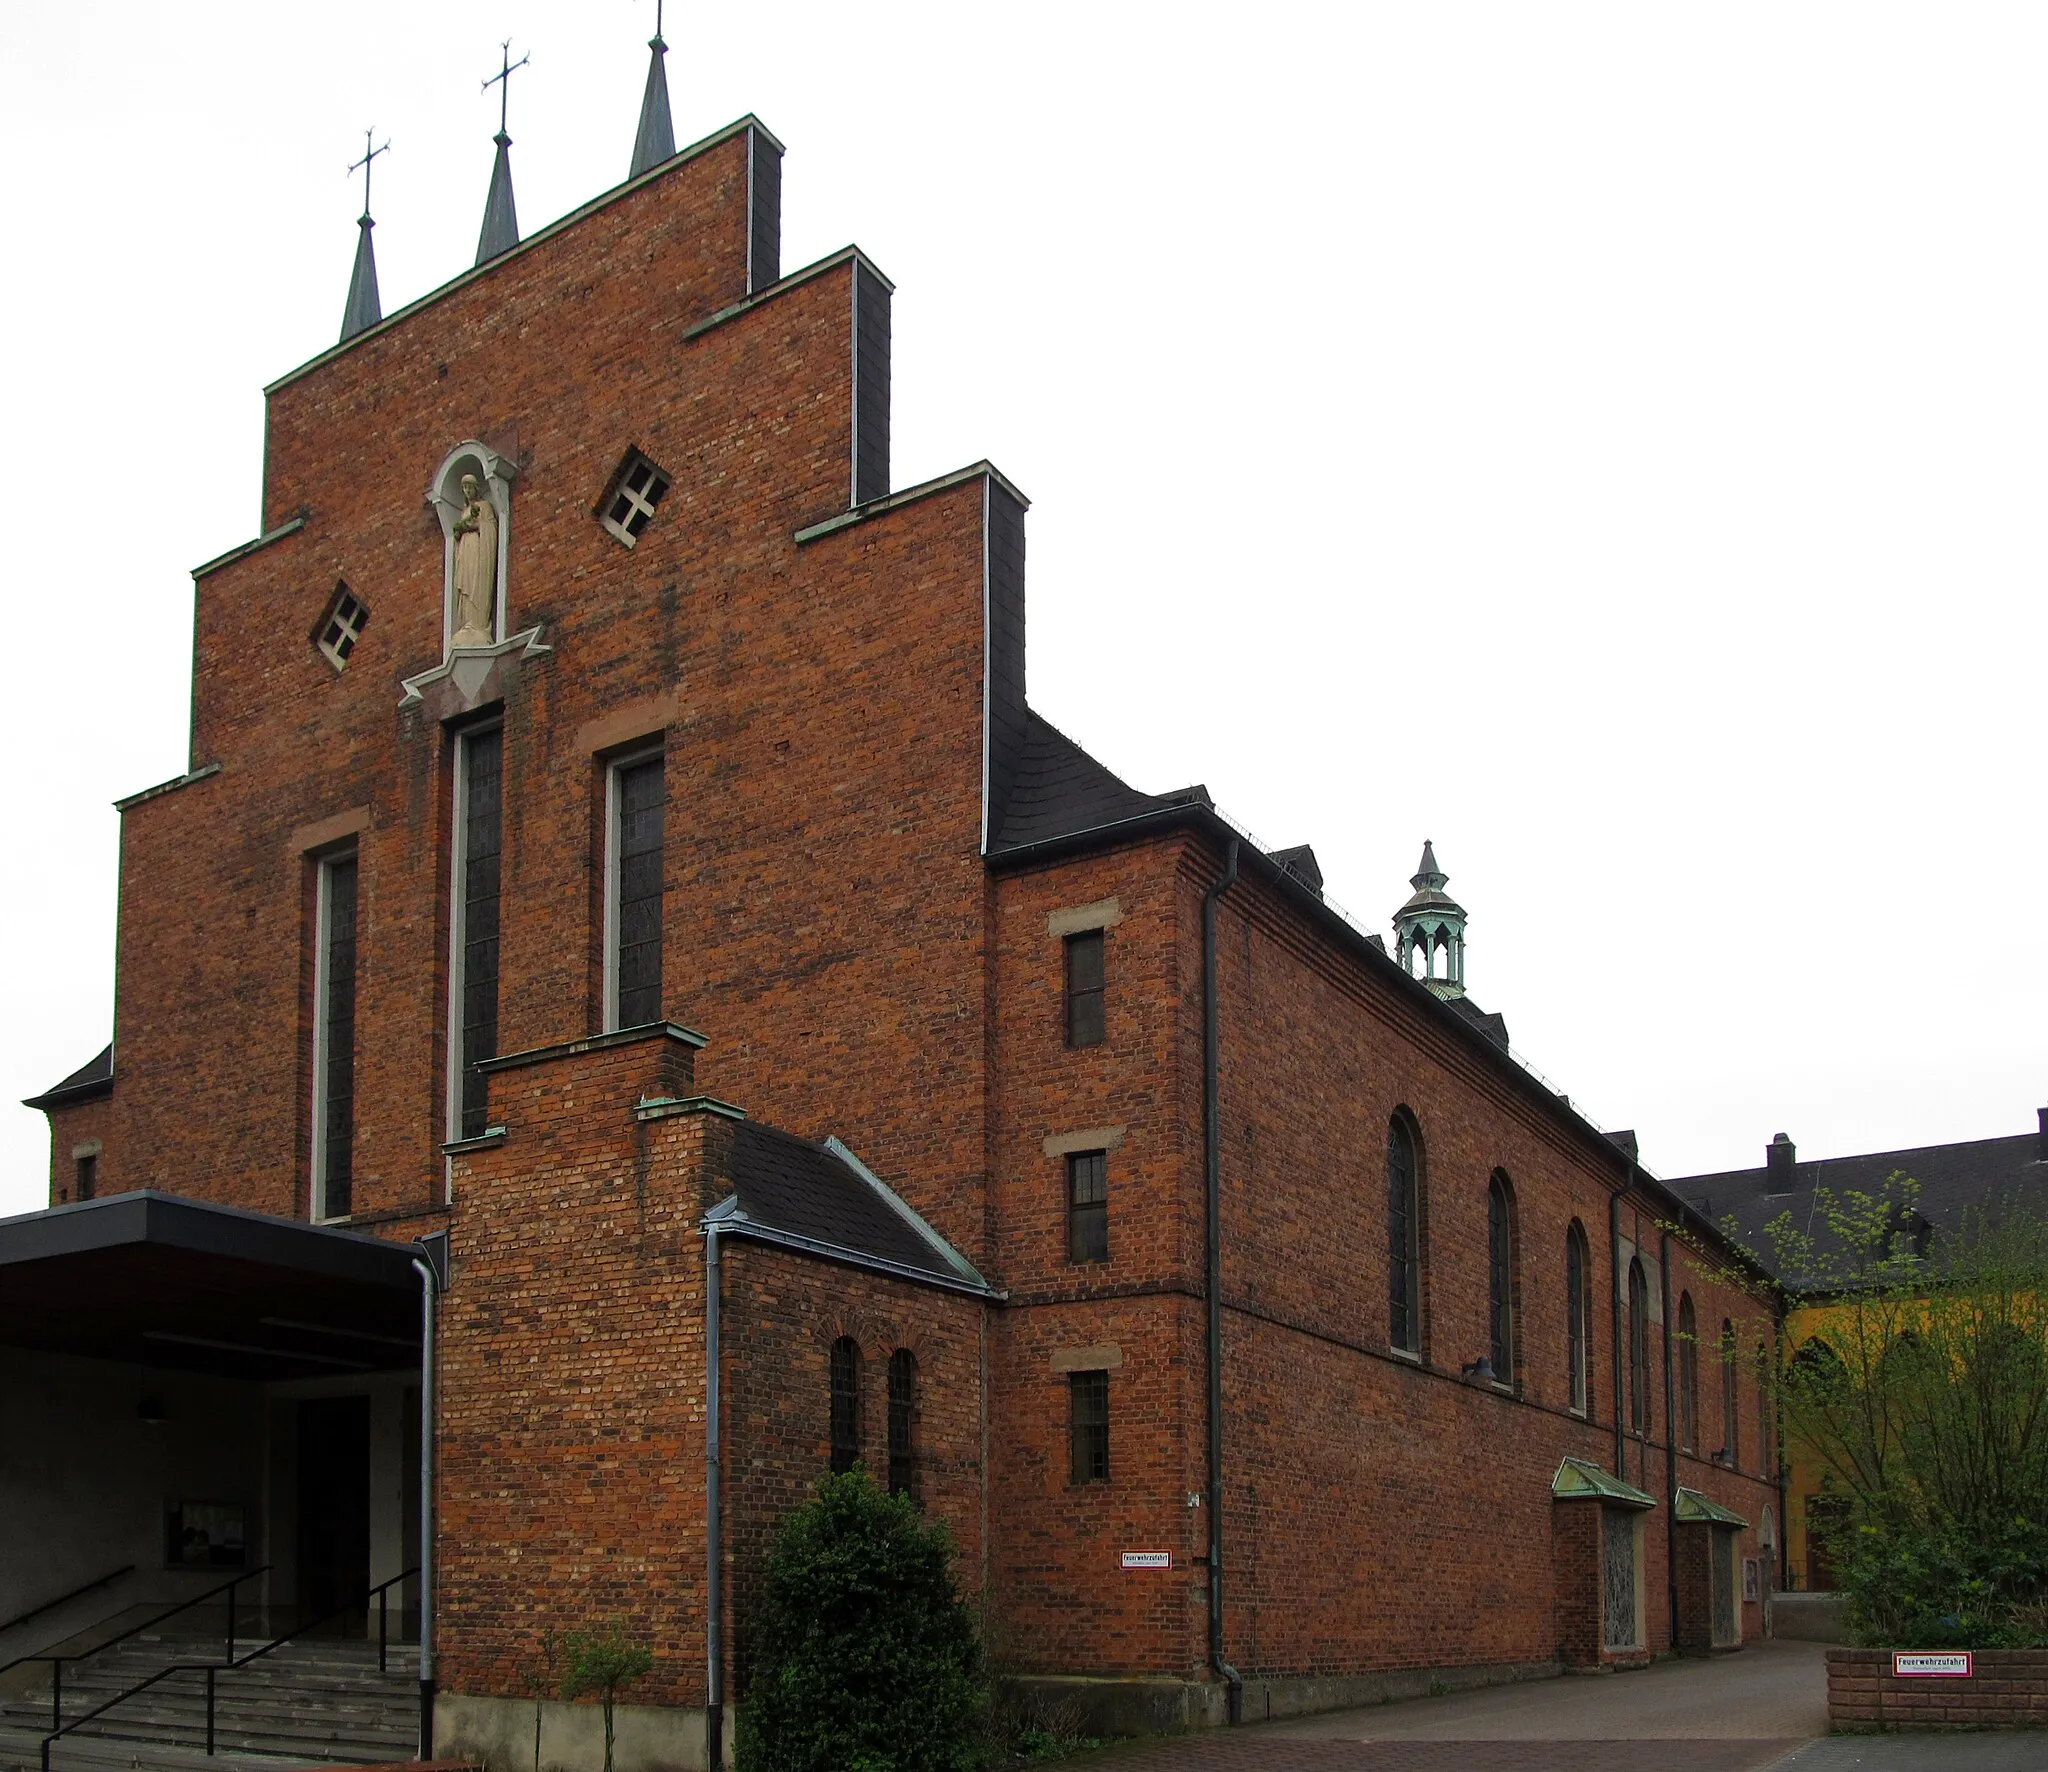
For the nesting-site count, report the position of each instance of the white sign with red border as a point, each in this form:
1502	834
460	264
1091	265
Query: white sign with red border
1952	1665
1148	1559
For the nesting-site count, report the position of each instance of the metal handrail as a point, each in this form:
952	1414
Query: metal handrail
57	1661
381	1593
52	1605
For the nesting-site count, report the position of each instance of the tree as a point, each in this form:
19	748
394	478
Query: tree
1923	1403
602	1662
864	1657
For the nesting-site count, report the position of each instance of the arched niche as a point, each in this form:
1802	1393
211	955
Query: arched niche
494	474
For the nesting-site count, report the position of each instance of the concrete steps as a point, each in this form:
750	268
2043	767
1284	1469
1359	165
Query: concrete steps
321	1700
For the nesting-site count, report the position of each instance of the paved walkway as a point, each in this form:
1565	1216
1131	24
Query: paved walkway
1759	1711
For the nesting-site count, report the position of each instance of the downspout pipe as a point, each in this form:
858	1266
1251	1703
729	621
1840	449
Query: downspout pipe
431	1264
714	1548
1670	1449
1212	1268
1614	1307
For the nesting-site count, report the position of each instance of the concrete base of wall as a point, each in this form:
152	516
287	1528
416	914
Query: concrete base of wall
1141	1707
497	1733
1810	1618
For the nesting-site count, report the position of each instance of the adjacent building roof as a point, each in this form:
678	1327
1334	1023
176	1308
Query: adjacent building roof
821	1199
1953	1178
1579	1479
1061	791
94	1077
1690	1507
160	1280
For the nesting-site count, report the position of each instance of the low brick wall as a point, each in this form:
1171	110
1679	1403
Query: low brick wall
2007	1689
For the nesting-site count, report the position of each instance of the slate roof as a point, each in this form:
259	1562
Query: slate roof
94	1077
823	1199
1060	791
1494	1026
1952	1178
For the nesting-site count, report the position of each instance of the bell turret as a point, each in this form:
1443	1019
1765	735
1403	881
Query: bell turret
1429	930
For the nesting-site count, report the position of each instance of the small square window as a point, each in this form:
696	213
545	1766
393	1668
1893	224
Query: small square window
636	488
1088	1206
1088	1425
341	627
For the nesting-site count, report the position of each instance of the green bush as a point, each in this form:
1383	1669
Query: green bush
864	1658
1915	1587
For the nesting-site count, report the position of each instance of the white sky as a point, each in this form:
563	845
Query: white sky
1605	439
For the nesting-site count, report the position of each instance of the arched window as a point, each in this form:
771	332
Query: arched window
845	1404
1638	1348
1688	1375
1500	1276
1578	1309
1404	1238
903	1423
1731	1419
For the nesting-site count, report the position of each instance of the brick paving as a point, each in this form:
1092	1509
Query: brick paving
1260	1750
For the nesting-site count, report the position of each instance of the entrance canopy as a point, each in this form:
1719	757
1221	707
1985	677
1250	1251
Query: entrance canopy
158	1280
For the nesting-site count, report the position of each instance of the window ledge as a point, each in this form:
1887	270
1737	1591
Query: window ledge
483	1141
1409	1354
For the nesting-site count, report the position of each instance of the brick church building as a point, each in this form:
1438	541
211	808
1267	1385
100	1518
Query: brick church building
624	914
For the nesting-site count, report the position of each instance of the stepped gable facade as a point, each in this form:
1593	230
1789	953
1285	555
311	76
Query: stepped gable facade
616	832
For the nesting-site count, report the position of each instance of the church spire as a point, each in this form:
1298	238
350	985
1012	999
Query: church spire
1429	930
656	140
364	309
501	219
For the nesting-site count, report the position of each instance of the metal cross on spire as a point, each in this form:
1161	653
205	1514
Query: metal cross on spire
363	165
657	26
503	80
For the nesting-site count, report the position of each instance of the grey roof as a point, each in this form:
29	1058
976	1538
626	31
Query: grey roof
1493	1026
823	1199
1060	791
501	219
94	1077
1953	1178
1301	862
656	139
364	308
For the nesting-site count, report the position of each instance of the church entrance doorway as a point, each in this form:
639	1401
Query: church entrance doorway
334	1507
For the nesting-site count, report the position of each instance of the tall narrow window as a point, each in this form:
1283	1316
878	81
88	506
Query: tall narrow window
1500	1270
1688	1375
479	837
1404	1236
903	1423
334	1039
1578	1309
1638	1348
845	1404
1084	988
1731	1422
1088	1425
633	908
86	1175
1088	1206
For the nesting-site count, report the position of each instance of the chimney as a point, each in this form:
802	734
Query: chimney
1781	1157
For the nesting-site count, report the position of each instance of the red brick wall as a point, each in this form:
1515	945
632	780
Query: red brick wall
1380	1513
781	1315
2007	1689
571	1478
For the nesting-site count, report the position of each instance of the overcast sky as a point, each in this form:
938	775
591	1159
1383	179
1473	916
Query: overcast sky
1607	440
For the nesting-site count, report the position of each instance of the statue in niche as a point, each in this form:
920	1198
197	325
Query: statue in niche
476	567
